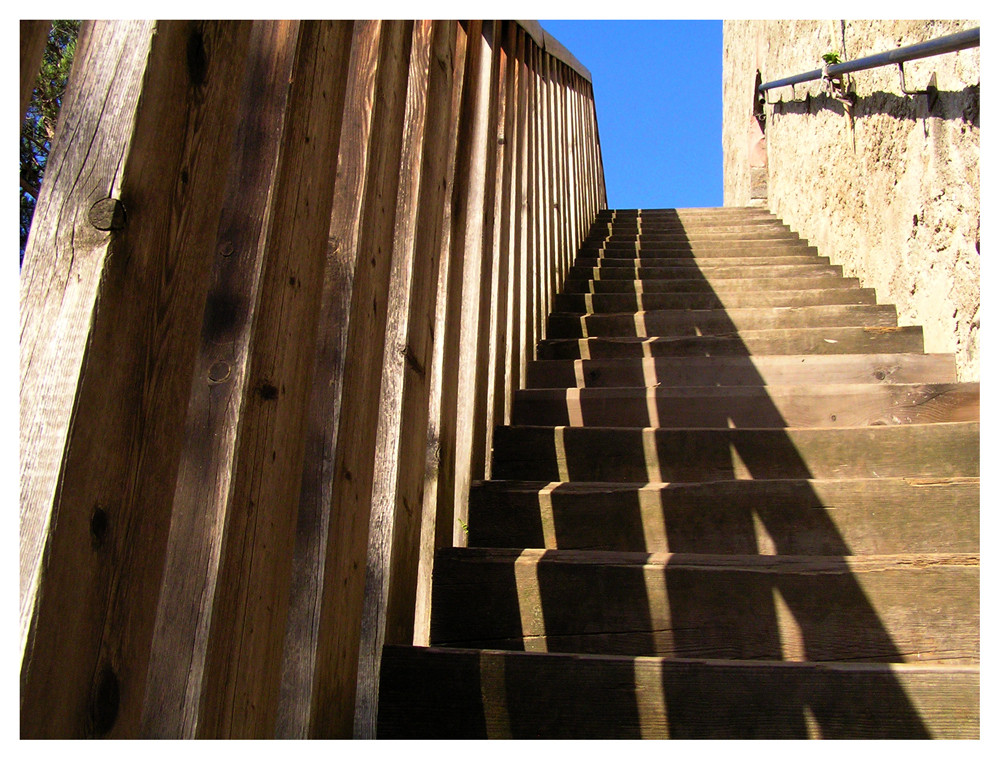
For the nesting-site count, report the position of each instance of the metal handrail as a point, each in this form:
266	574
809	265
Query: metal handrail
947	44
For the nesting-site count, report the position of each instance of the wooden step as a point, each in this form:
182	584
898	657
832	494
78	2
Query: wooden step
701	249
688	215
477	694
634	227
679	322
826	405
715	235
871	608
743	370
699	284
706	273
799	340
700	254
610	303
607	259
656	455
833	517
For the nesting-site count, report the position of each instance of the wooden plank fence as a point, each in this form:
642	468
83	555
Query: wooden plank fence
282	281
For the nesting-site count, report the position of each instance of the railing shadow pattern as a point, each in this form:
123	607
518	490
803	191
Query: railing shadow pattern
801	597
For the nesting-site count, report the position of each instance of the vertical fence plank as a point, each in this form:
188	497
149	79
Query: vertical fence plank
334	690
477	229
493	292
63	265
435	525
34	35
398	354
324	405
540	202
203	493
454	432
140	291
524	332
507	360
248	621
409	537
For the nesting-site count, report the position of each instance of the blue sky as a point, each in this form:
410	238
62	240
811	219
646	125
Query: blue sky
658	87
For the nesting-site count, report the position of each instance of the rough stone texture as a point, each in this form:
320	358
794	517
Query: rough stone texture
888	188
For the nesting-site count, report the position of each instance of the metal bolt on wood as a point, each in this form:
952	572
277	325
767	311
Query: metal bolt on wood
107	214
219	372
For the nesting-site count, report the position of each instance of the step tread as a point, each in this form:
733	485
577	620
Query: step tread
433	692
689	262
580	304
668	323
743	370
706	273
702	285
945	449
793	340
826	405
731	517
881	608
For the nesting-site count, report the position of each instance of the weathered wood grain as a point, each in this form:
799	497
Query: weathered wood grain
410	538
255	567
488	297
324	405
669	323
794	340
204	489
664	455
435	529
509	365
159	113
871	608
61	274
403	280
474	358
520	330
610	303
336	668
823	405
498	391
458	394
444	693
835	517
777	369
690	282
34	35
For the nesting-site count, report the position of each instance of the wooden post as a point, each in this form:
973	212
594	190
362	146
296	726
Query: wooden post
432	527
205	486
336	663
110	324
506	365
488	248
409	538
34	36
324	405
522	334
476	227
398	472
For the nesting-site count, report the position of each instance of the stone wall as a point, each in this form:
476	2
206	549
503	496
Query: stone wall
888	187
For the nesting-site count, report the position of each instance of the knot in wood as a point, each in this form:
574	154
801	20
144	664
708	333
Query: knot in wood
107	214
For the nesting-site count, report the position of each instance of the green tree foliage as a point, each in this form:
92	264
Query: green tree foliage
39	127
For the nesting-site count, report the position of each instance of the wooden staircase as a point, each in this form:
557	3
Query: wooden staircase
736	501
